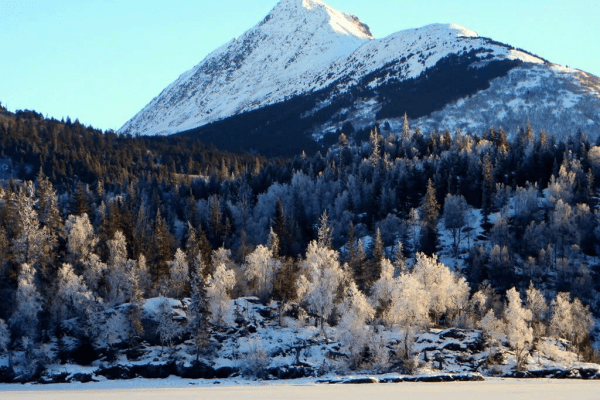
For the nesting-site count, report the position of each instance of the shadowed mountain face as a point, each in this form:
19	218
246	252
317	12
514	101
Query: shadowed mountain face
308	72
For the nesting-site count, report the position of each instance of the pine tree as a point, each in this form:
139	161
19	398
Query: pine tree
199	313
49	213
487	190
31	244
377	255
430	211
163	247
399	258
82	200
280	228
325	232
405	129
284	287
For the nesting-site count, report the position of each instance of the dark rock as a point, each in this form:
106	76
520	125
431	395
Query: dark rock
54	378
197	370
589	373
83	354
83	378
359	381
225	372
453	334
291	372
454	347
7	375
469	378
154	371
392	380
434	378
116	372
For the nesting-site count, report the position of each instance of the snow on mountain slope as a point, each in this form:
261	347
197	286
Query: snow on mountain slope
275	60
309	70
557	99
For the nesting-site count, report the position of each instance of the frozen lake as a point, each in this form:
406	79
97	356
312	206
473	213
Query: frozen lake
148	390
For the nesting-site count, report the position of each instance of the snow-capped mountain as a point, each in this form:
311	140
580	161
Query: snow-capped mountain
308	70
281	57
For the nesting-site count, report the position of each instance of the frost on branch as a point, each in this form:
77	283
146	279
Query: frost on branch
518	332
319	280
218	288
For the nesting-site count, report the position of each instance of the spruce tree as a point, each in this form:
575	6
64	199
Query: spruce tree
487	190
430	211
199	313
325	232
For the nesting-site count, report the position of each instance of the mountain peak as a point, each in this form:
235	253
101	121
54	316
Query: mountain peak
301	11
277	59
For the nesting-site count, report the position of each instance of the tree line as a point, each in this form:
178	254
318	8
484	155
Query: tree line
92	220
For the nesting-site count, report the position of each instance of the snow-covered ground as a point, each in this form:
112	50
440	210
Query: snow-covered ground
185	389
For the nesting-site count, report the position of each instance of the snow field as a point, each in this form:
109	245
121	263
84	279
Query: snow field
497	389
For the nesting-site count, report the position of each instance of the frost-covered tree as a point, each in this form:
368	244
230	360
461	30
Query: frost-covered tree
518	332
73	297
383	291
93	273
260	268
536	303
81	239
218	287
179	272
31	244
320	276
325	231
221	256
49	213
570	320
563	229
409	310
25	319
493	330
118	277
562	187
168	329
399	259
142	276
352	330
446	291
454	218
136	328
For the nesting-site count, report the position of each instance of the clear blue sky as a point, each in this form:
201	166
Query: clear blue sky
103	60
